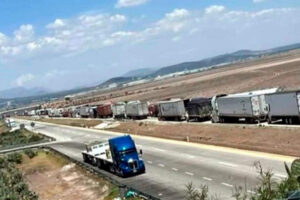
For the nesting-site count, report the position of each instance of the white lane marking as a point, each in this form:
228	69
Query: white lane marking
250	191
150	162
188	155
227	185
281	175
157	149
160	194
228	164
189	173
161	165
174	169
206	178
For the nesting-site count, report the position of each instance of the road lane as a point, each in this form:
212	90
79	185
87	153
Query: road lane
171	165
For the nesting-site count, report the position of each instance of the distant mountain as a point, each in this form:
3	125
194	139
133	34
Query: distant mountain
118	80
140	72
22	92
222	59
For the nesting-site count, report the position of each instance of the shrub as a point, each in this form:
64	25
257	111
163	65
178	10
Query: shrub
15	158
30	153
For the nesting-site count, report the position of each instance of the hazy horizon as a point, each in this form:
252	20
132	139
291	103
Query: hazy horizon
48	46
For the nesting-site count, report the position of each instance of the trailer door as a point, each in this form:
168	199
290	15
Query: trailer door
298	100
255	105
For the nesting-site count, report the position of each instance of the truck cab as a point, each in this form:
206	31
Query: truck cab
118	155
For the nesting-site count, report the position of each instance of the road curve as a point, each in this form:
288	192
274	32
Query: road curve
171	165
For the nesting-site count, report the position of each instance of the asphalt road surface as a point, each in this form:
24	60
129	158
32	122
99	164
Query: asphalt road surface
171	165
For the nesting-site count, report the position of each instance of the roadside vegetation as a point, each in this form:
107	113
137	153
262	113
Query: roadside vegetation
12	184
18	137
267	189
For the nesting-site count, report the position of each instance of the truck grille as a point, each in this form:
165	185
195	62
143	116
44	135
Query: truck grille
133	165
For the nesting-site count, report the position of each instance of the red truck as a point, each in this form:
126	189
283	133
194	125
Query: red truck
153	110
104	111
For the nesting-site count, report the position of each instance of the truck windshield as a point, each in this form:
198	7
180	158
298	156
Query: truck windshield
127	152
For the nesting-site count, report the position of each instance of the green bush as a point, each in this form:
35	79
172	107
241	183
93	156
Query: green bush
15	158
30	153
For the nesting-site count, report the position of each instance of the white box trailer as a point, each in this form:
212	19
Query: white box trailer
137	110
172	110
84	111
119	110
284	106
250	106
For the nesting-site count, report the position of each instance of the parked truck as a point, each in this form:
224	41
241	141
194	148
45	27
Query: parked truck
84	111
284	106
137	110
153	110
119	109
250	106
198	108
172	110
105	111
118	155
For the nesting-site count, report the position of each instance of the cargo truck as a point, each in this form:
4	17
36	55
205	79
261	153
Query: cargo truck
118	110
118	155
172	110
198	109
284	106
153	110
137	110
84	111
250	106
104	111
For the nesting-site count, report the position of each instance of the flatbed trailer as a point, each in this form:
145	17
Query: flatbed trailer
117	155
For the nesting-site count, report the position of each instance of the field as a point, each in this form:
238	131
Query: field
273	71
277	140
53	177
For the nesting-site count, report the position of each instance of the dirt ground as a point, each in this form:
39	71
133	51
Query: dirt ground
3	127
52	177
283	141
271	71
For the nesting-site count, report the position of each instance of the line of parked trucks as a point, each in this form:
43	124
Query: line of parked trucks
251	107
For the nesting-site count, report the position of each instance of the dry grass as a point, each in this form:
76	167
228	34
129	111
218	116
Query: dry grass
53	177
266	139
3	127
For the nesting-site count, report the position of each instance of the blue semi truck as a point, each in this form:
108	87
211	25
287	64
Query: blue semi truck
118	155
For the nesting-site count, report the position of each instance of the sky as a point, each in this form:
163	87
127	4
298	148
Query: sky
64	44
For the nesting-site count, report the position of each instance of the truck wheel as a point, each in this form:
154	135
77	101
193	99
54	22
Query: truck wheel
99	165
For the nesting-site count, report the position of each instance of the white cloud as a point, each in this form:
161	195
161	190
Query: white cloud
214	9
56	24
23	79
258	1
24	33
130	3
179	35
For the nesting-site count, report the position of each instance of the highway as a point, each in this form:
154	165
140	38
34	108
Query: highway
170	165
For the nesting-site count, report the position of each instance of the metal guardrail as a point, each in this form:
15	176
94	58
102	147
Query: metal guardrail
94	170
123	187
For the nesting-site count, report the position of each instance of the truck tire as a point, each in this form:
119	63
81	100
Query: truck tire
99	164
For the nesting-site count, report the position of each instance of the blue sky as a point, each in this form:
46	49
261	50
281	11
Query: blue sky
61	44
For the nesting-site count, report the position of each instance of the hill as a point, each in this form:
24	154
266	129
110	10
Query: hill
140	72
22	92
222	59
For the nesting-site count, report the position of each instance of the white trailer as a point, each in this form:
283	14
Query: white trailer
284	106
250	106
137	110
84	111
119	110
172	110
